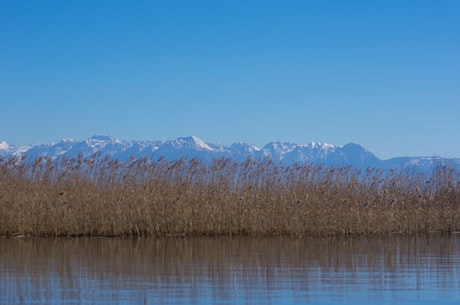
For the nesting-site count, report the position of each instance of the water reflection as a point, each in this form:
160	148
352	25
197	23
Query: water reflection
252	270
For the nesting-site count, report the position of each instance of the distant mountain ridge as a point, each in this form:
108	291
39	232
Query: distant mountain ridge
193	147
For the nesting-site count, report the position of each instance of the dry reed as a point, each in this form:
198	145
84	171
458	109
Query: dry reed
105	197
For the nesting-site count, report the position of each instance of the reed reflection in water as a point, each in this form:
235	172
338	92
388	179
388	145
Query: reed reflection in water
198	270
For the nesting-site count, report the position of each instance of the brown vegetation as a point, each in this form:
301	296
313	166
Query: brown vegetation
187	197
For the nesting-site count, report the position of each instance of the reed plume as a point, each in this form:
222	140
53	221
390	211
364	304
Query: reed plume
105	197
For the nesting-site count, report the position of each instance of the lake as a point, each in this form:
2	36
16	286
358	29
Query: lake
389	269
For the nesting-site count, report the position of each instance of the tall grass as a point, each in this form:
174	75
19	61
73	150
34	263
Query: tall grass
100	196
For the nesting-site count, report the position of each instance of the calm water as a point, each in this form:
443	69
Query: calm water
386	270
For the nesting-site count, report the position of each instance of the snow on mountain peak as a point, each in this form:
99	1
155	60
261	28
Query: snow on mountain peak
244	147
322	146
193	142
99	141
104	138
4	145
279	146
200	143
68	140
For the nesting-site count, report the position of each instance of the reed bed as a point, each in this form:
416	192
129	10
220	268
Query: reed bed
140	197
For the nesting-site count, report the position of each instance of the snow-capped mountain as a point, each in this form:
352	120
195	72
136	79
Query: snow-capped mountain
192	147
6	149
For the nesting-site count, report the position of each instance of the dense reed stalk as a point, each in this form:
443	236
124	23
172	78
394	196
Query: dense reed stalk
100	196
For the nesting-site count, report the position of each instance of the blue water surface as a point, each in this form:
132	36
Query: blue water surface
390	269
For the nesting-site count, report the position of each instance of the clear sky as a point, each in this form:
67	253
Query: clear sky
383	74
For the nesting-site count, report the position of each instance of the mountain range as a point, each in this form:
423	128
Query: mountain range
192	147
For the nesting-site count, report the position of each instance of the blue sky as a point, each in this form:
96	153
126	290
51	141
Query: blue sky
384	74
